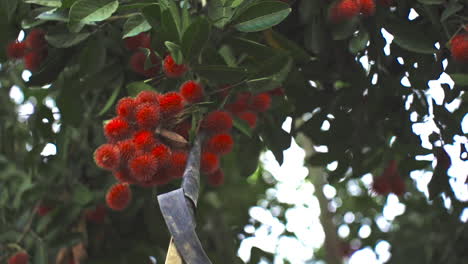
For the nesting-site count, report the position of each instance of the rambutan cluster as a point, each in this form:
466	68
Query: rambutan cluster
390	181
138	59
246	106
19	258
33	50
344	10
459	47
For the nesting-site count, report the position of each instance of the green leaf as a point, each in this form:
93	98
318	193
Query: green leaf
82	195
452	8
261	16
358	42
460	78
410	36
135	88
92	57
86	11
56	14
220	73
50	3
118	84
242	126
168	27
127	7
431	2
9	7
135	25
176	52
220	13
40	253
152	14
66	40
195	38
346	29
174	11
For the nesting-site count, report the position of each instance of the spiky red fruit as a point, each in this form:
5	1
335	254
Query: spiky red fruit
249	117
143	167
381	186
147	115
367	7
171	104
116	129
127	149
142	40
261	102
398	185
459	47
118	196
344	10
97	215
217	122
172	69
19	258
107	156
162	153
124	175
220	144
191	91
178	163
43	209
242	102
279	91
137	63
144	140
126	108
36	40
209	162
216	178
33	59
148	96
16	50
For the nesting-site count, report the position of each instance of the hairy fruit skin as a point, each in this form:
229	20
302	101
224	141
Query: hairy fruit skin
249	117
19	258
144	140
147	115
36	40
171	104
107	156
119	196
142	40
220	144
344	10
143	167
216	178
16	50
242	102
147	96
209	162
178	162
163	154
172	69
126	108
261	102
117	129
137	63
192	91
459	47
217	122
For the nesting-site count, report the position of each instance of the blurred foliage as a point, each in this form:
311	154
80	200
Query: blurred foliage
228	42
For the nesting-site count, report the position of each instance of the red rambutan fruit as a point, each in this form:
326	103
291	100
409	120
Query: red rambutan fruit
391	170
170	104
142	40
19	258
192	91
16	50
209	162
96	215
220	144
127	149
117	129
344	10
261	102
43	209
36	40
144	140
183	128
143	167
126	108
33	59
217	121
173	70
147	115
137	63
118	196
148	96
249	117
381	186
162	153
107	156
279	91
459	47
216	178
398	186
178	163
242	102
367	7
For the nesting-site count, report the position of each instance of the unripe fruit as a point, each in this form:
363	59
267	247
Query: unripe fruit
344	10
192	91
126	108
209	162
143	167
147	115
19	258
173	70
16	50
118	196
116	129
459	47
137	63
217	122
170	104
142	40
249	117
261	102
107	156
216	178
220	144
